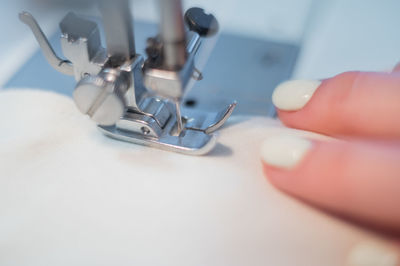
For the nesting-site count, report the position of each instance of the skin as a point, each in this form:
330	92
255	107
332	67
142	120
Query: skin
357	177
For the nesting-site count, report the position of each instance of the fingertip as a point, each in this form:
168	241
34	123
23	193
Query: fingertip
293	95
284	152
320	113
351	103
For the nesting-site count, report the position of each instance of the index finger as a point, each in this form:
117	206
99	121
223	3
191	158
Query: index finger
353	103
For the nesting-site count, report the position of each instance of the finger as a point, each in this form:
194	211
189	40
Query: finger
357	180
352	103
396	69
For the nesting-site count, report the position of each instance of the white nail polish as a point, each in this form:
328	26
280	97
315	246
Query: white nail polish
371	254
284	151
294	94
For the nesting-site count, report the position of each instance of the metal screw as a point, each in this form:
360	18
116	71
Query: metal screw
102	96
145	130
201	22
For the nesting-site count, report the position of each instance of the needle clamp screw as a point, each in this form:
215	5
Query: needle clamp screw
199	21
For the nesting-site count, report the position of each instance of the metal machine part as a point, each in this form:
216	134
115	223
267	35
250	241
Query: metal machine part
132	99
264	63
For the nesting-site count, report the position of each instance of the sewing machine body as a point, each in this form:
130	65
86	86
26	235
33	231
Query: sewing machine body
133	98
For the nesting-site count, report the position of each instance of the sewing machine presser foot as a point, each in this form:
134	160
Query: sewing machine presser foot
196	138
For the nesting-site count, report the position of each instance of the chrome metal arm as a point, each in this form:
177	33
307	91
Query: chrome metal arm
63	66
118	27
172	31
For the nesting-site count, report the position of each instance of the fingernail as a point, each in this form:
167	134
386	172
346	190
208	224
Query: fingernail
294	94
284	151
371	254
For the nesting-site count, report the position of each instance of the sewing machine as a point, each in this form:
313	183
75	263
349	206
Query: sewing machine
144	98
130	98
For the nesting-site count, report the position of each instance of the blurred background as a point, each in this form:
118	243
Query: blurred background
334	35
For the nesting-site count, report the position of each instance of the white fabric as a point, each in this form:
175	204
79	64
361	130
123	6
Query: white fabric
70	196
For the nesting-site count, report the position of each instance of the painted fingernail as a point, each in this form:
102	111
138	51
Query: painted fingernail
294	94
371	254
284	151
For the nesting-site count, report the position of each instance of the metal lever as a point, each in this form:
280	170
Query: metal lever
63	66
221	118
217	122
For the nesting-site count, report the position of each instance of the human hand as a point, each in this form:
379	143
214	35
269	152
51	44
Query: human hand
357	176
